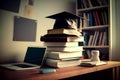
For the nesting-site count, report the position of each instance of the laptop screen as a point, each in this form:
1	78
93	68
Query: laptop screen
35	55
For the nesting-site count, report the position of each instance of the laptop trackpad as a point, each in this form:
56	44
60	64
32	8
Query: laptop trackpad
23	65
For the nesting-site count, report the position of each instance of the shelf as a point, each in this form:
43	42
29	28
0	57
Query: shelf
95	27
92	8
95	47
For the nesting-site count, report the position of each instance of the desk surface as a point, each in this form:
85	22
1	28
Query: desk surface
59	74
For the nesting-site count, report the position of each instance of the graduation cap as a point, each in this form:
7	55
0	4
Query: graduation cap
64	20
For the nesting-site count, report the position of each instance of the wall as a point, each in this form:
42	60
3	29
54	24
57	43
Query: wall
115	29
15	50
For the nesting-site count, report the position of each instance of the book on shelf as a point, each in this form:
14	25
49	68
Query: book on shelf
100	2
63	43
62	63
91	19
80	4
64	55
86	38
64	38
64	31
85	4
96	38
95	18
104	38
90	3
85	20
100	38
90	40
64	49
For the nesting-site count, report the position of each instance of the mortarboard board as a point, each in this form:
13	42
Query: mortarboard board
63	15
63	19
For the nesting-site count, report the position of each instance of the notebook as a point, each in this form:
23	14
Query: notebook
93	63
34	58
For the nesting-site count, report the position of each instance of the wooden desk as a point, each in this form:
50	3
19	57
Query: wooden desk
61	73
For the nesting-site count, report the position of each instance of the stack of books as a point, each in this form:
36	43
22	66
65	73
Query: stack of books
64	43
64	47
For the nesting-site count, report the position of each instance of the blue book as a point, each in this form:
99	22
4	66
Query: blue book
90	19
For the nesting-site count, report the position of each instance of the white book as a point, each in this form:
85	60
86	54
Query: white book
64	49
63	55
85	20
96	38
93	63
90	40
60	63
61	43
93	40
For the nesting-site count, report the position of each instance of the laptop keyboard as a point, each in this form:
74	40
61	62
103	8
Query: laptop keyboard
23	65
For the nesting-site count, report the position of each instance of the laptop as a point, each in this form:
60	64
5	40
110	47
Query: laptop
34	58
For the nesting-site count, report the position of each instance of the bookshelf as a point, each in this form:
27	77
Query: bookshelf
94	25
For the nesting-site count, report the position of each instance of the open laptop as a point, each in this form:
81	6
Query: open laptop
33	59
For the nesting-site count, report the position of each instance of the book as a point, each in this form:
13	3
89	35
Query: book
93	40
103	18
61	38
97	18
100	38
100	2
62	43
104	38
62	63
93	63
64	31
64	49
85	20
90	40
63	55
85	4
91	22
86	38
96	38
90	4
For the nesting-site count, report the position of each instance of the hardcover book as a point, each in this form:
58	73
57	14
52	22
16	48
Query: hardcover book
63	43
60	63
64	38
93	63
64	31
63	55
64	49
